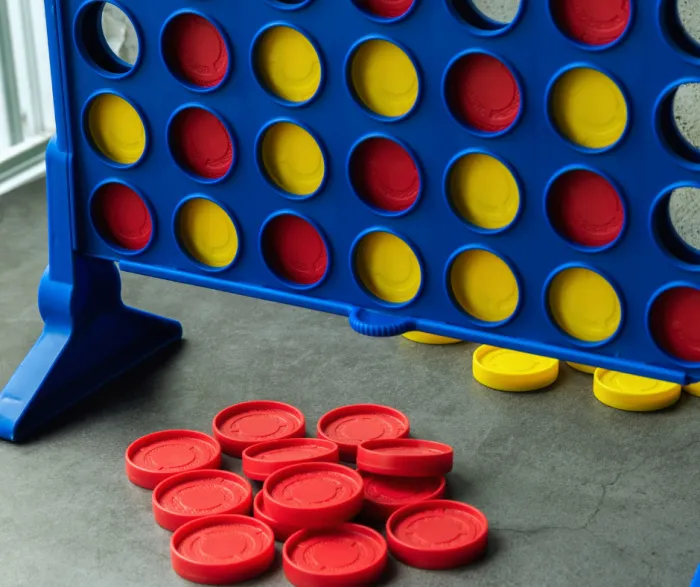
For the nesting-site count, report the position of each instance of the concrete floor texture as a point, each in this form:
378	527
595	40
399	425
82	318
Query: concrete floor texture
577	494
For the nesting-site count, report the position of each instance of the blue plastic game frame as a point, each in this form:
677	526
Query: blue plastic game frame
90	337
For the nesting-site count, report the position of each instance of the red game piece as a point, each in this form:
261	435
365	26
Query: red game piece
386	8
157	456
261	460
347	555
314	495
405	457
350	426
675	323
242	425
592	22
195	494
437	534
219	550
384	495
281	531
122	217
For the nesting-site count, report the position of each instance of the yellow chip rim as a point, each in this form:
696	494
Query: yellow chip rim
508	370
632	393
207	233
692	389
116	129
431	339
581	367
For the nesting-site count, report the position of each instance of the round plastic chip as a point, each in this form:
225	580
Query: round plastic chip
405	457
692	389
261	460
437	534
281	531
157	456
384	495
583	368
633	393
507	370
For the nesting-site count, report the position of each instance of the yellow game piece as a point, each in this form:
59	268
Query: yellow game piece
116	129
507	370
583	368
207	232
426	338
633	393
692	389
288	64
384	78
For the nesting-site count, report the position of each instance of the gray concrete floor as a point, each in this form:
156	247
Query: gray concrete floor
577	494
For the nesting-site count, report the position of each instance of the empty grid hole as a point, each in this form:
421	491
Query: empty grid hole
489	16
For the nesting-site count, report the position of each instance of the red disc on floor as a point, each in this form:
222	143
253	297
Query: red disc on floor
295	250
385	175
592	22
386	8
201	144
483	93
196	51
122	217
349	554
586	209
405	457
675	323
437	534
312	495
157	456
220	550
195	494
281	531
242	425
350	426
384	495
261	460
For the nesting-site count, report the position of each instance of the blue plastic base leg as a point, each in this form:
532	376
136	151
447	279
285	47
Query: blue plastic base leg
90	337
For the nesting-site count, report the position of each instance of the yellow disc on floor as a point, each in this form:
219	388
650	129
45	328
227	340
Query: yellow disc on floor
507	370
692	389
484	191
384	78
288	64
633	393
207	232
589	108
116	129
293	159
583	368
426	338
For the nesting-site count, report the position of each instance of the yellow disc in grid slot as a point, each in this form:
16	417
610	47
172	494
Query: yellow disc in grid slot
692	389
633	393
507	370
427	338
288	64
584	304
293	159
589	108
207	232
388	267
583	368
384	78
484	191
116	129
484	285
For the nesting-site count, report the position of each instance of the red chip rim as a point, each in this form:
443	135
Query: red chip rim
384	495
281	531
122	217
201	493
386	8
171	452
592	22
265	420
295	451
405	457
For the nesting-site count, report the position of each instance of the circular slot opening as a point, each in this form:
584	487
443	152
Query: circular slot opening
584	305
121	217
592	23
484	286
674	321
287	65
482	93
483	192
585	209
195	51
289	4
487	17
678	122
385	175
108	38
387	267
207	233
201	144
383	79
115	129
385	9
292	159
588	109
294	250
681	26
676	224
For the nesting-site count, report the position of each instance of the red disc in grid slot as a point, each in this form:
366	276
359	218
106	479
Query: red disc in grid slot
201	143
385	175
196	51
122	217
384	495
585	208
386	8
482	92
592	22
675	323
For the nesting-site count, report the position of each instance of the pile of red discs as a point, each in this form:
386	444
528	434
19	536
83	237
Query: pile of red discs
308	500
